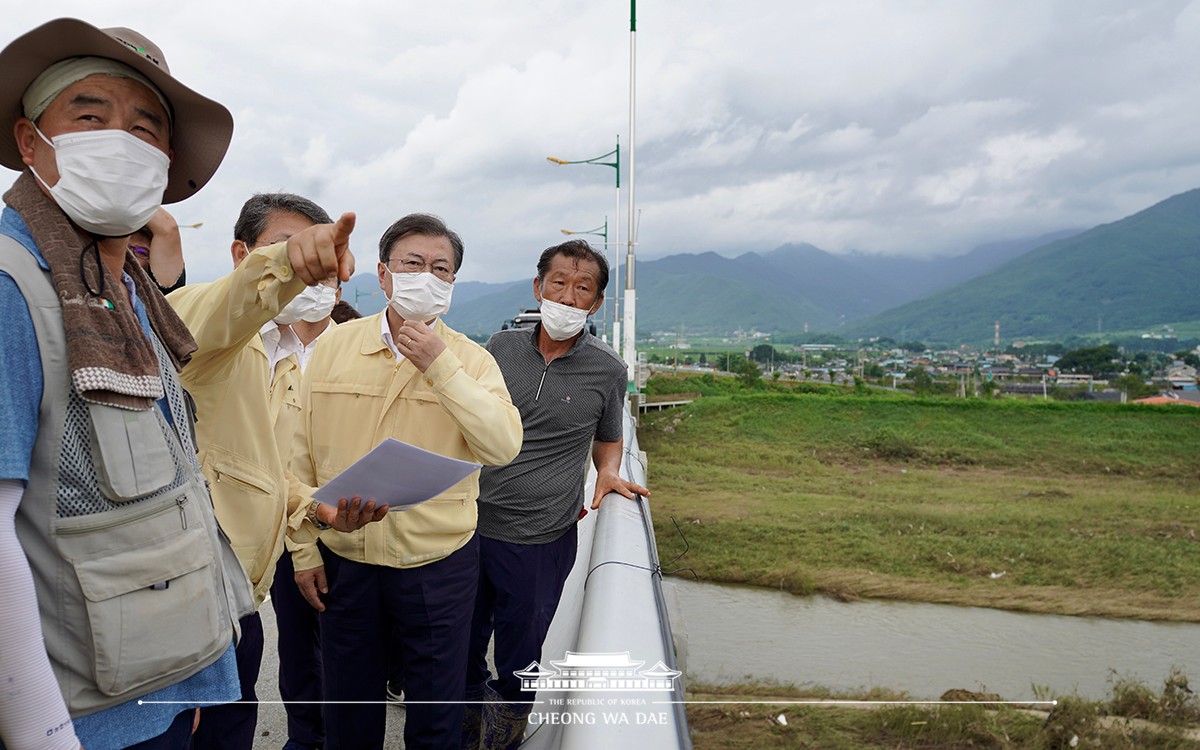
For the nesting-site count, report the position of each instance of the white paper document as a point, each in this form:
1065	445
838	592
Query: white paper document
398	474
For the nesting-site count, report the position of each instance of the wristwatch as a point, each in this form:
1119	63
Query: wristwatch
312	516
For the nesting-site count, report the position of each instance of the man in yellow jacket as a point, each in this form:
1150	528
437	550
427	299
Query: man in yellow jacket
231	377
403	374
285	344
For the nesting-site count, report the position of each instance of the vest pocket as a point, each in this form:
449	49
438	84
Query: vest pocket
151	589
130	452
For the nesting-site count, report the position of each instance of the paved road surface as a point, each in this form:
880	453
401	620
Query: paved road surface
272	721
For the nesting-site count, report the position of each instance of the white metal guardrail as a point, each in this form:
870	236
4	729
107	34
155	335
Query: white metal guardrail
608	673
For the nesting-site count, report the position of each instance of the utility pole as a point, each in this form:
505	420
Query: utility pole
678	333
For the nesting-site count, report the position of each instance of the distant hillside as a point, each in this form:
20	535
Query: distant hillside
711	293
488	306
787	289
704	292
1133	273
921	276
362	291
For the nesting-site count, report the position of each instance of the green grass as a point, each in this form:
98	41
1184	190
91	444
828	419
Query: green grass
747	716
1084	508
709	384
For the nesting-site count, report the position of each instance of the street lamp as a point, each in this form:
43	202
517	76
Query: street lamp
615	154
360	294
626	347
630	306
602	231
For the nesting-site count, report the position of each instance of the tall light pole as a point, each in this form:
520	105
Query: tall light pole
602	231
616	165
629	348
359	295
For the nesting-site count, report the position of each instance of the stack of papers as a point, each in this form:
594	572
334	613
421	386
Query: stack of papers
398	474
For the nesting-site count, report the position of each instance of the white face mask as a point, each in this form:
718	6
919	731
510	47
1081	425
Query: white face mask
561	322
110	182
312	305
420	296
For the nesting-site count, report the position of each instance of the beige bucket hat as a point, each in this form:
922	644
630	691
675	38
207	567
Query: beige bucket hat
202	128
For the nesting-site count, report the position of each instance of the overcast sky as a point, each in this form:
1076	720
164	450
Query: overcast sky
895	127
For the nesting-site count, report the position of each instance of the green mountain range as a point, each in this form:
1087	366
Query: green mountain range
1135	273
786	289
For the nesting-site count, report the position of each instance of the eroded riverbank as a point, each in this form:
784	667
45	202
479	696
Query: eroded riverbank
735	634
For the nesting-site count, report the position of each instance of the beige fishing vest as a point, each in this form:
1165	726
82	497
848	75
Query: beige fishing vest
137	586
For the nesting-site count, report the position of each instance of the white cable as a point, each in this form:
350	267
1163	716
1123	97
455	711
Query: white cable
33	714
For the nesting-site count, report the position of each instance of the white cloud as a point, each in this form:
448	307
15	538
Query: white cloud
1022	155
851	124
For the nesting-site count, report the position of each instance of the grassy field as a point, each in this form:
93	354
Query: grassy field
724	718
1037	506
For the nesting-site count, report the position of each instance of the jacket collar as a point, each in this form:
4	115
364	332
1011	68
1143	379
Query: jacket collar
579	342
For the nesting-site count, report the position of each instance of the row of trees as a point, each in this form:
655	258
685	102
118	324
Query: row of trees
1109	360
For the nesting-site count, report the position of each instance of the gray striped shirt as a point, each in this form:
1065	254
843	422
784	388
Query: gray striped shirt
564	405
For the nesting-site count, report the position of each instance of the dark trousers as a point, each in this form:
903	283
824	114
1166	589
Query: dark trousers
395	669
519	589
177	737
231	726
299	657
430	608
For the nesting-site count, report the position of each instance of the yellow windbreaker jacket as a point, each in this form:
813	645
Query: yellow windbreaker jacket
354	395
236	414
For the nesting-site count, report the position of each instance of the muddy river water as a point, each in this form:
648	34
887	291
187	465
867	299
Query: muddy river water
729	634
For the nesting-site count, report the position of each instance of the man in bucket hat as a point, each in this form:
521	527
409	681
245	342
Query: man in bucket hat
122	593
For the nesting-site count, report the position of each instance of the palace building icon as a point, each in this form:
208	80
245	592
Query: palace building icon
584	671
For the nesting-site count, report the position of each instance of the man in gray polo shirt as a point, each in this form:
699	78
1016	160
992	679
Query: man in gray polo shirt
570	389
